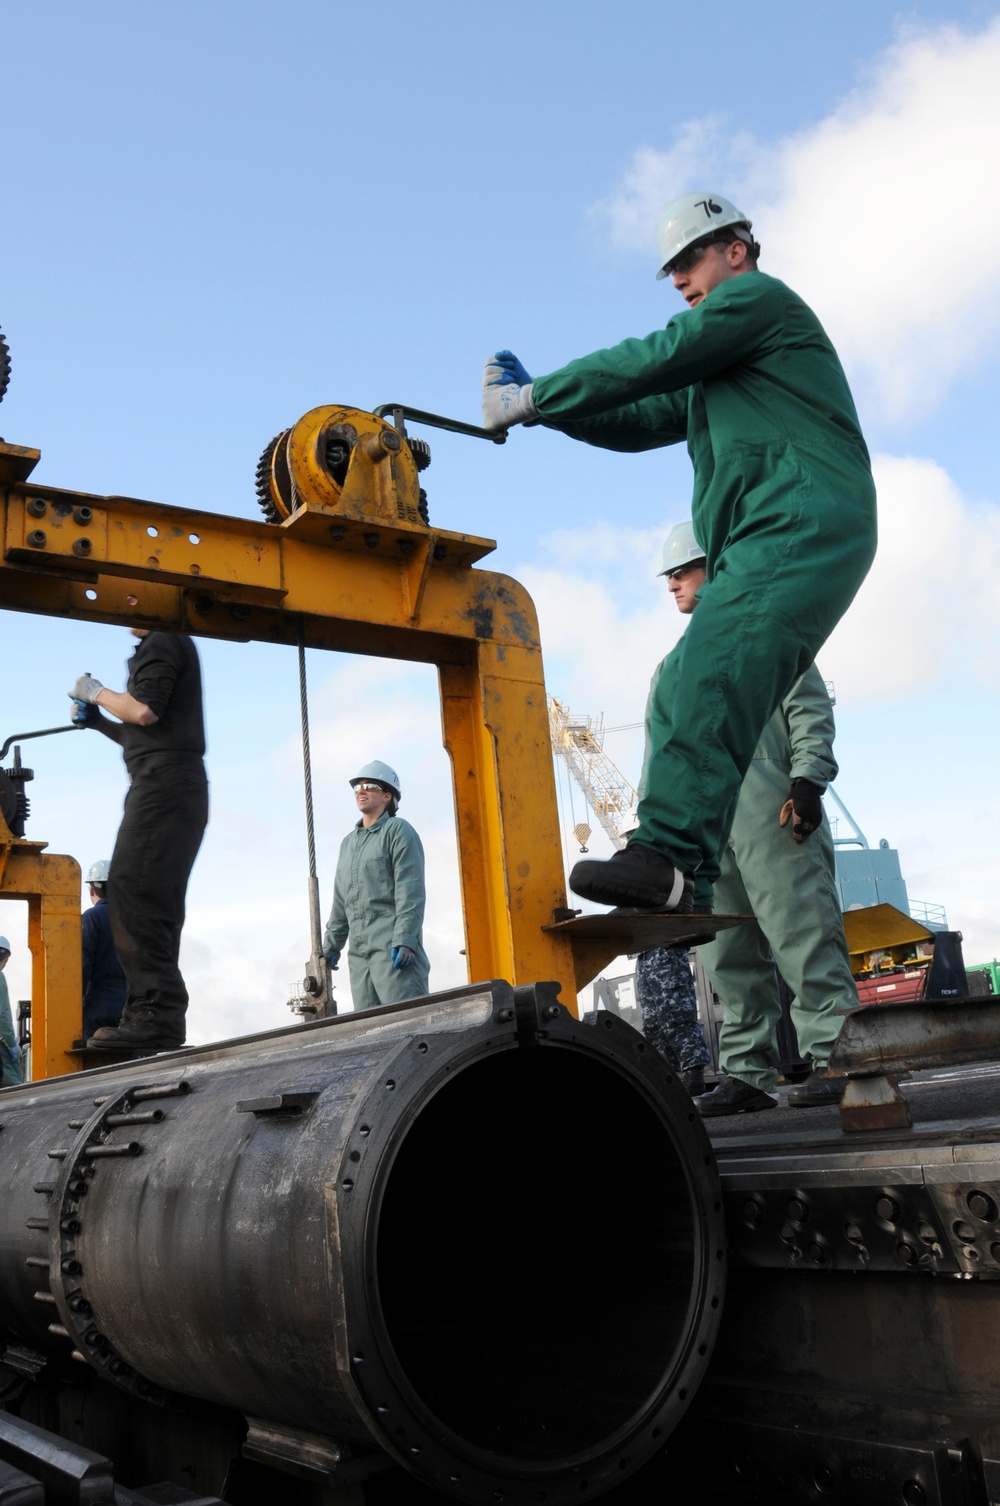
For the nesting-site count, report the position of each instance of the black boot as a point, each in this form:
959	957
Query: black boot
818	1088
637	876
143	1028
734	1096
693	1079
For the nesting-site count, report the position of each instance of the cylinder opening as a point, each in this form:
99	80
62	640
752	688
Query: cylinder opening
537	1254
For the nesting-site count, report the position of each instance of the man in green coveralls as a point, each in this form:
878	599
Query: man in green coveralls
784	505
775	869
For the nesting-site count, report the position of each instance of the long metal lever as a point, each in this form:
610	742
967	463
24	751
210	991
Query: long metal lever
398	412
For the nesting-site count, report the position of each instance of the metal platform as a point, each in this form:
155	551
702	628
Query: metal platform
639	930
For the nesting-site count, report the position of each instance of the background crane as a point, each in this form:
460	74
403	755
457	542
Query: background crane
580	741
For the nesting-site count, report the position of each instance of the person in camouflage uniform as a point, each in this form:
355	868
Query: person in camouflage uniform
665	990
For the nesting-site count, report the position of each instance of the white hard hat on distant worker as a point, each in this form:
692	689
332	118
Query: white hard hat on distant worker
681	548
98	872
381	774
695	217
4	944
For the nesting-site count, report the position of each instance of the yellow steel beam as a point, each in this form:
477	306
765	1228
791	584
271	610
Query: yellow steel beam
353	568
50	884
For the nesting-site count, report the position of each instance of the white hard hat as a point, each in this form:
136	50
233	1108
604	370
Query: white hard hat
4	944
98	872
693	217
681	548
381	773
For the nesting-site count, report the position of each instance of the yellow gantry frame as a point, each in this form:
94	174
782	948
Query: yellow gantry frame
352	568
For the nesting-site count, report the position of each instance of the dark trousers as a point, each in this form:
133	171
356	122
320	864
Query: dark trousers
166	812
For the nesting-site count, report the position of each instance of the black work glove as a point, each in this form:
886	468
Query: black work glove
804	808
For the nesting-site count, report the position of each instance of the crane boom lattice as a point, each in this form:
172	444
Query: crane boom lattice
580	741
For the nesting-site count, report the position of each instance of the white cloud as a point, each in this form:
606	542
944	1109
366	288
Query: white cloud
881	215
929	612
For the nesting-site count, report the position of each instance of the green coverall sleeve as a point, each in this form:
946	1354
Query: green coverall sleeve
808	712
409	892
337	927
639	388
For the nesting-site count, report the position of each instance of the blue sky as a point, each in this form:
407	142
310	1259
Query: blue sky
221	215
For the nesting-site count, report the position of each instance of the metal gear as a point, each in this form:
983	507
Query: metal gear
421	452
8	799
268	468
4	365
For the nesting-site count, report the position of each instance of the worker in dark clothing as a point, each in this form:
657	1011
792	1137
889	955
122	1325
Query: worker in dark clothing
784	505
104	987
161	732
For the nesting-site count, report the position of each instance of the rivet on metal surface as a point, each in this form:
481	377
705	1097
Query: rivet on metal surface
37	539
963	1231
337	531
37	507
82	546
823	1480
982	1206
797	1209
887	1208
371	540
83	515
907	1254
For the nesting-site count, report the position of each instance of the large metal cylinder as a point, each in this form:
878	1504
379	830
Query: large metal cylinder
470	1231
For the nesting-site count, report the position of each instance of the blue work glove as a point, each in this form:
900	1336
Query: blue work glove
507	393
402	956
333	957
15	1052
511	367
86	689
83	715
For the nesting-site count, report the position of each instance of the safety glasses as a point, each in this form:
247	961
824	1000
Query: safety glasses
689	259
366	784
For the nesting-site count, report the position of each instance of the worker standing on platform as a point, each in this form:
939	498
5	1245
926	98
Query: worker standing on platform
104	987
784	505
778	865
11	1066
379	897
161	733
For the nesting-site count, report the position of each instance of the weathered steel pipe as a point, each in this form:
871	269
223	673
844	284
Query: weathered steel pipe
470	1231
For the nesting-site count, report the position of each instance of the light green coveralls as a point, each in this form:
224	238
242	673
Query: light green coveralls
11	1072
784	506
378	900
791	889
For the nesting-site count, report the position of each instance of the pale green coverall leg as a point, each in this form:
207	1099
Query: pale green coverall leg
784	506
378	902
791	889
11	1071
